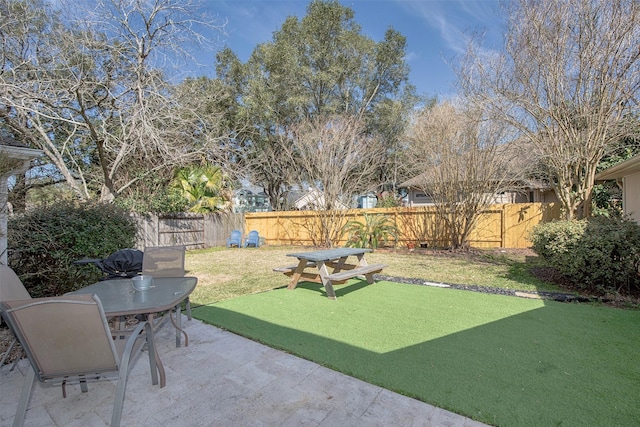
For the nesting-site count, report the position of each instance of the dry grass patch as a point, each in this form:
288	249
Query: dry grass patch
226	273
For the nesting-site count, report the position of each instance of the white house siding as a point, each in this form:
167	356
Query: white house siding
627	174
631	196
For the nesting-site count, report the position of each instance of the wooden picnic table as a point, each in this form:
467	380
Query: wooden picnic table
314	266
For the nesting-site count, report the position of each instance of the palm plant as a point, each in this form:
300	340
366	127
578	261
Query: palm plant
377	229
203	187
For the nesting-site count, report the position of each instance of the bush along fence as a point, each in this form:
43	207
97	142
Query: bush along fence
505	225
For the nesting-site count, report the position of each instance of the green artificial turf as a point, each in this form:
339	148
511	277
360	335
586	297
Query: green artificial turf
498	359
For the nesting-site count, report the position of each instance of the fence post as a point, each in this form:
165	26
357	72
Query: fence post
503	230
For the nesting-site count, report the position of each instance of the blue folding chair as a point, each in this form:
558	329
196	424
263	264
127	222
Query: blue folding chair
235	239
253	239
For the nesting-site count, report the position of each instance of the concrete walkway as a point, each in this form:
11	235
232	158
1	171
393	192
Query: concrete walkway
222	379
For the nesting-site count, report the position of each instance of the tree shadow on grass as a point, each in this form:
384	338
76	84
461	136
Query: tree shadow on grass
549	364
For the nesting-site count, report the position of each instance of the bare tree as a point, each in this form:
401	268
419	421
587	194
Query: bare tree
461	162
83	82
335	156
319	64
568	80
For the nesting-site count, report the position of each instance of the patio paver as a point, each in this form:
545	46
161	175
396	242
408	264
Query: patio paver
223	379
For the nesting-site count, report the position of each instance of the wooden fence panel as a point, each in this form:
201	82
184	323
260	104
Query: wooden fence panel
489	231
187	230
218	227
506	226
191	230
520	218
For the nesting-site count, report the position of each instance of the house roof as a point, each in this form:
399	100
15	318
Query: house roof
515	154
5	140
628	167
314	197
413	182
16	150
419	181
14	157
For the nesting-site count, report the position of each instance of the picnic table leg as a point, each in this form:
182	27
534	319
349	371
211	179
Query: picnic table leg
296	275
338	267
363	263
328	286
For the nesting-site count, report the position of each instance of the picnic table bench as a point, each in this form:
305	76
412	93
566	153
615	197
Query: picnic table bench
321	261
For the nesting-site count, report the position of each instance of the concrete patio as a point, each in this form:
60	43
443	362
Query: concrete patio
222	379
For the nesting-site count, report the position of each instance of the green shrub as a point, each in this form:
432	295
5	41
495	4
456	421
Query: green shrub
599	255
376	230
44	242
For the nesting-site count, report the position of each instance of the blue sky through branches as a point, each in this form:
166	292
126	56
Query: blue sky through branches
436	30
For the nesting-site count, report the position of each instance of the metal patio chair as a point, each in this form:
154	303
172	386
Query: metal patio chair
67	338
11	288
166	261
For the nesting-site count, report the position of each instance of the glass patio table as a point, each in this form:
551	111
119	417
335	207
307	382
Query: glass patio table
119	298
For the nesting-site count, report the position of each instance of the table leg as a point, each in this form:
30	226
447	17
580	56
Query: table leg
153	361
178	325
295	277
159	365
340	264
363	262
328	286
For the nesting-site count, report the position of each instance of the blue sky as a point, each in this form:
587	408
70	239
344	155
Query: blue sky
435	29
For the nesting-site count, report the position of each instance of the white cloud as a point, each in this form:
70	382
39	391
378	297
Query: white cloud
410	56
453	20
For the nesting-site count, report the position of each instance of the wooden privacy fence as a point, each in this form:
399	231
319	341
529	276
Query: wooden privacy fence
194	231
503	226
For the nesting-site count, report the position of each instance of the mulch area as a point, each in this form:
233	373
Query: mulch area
548	274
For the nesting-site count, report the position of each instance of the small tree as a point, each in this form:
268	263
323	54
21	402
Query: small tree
203	187
461	163
336	156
